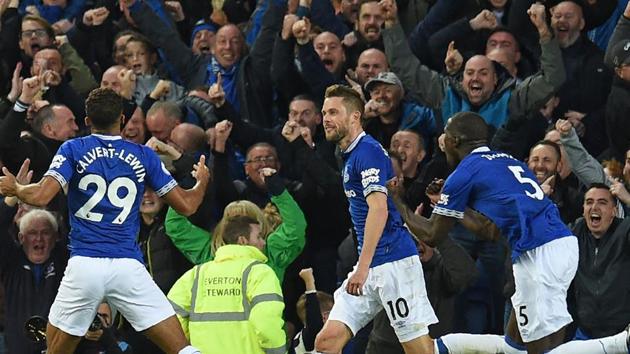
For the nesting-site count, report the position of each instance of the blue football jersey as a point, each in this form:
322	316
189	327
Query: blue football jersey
367	168
105	178
506	191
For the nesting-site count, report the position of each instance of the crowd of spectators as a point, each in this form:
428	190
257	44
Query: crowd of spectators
242	82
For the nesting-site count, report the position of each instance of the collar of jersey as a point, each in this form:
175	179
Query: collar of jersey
108	137
481	149
354	143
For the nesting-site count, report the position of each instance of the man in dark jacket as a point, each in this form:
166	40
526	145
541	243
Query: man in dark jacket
601	281
30	272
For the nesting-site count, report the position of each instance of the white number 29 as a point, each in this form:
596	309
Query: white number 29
126	203
518	173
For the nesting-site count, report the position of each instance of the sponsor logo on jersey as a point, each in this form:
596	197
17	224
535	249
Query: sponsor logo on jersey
443	199
370	176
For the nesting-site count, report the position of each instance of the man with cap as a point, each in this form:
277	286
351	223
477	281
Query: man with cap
387	111
618	105
202	37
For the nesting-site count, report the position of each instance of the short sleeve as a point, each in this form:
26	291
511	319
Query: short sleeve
61	167
374	168
455	194
158	176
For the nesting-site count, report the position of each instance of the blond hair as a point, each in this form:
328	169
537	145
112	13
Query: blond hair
268	219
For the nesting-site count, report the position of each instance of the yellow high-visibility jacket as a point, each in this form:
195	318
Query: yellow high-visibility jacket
232	304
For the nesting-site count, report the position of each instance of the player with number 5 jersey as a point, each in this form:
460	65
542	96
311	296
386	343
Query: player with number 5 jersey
490	190
105	177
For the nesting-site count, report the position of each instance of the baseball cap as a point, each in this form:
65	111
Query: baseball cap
386	77
621	53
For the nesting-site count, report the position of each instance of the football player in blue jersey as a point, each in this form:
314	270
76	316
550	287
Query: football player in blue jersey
388	273
105	177
544	251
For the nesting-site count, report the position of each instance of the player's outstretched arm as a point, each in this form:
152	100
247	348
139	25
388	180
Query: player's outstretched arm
186	201
480	225
36	194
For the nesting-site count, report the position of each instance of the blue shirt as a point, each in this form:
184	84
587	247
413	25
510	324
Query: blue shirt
105	177
367	168
506	191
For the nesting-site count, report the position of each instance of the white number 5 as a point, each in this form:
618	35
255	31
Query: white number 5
518	173
85	212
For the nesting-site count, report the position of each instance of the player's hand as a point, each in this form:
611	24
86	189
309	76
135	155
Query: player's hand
395	188
356	281
23	177
200	171
434	190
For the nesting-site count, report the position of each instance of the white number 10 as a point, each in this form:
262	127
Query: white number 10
85	212
518	173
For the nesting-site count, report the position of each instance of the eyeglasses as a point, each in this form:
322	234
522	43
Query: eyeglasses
40	33
262	159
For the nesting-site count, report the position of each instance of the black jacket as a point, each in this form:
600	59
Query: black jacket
601	284
24	296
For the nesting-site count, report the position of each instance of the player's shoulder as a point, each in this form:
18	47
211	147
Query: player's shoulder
369	148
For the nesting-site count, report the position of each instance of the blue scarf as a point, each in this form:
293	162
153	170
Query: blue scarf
229	77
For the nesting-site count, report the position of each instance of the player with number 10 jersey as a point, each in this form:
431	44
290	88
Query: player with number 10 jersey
105	176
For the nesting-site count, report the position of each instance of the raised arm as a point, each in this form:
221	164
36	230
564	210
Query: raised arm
186	201
37	194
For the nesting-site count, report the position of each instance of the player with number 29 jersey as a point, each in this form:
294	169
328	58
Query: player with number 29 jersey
105	178
517	204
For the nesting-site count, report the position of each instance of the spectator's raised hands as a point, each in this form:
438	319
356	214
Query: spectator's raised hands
291	130
160	90
309	280
200	171
16	83
538	17
162	148
349	39
222	132
23	177
301	30
216	93
390	12
30	88
175	8
62	26
484	20
563	127
124	4
548	185
453	60
618	189
127	83
95	17
287	26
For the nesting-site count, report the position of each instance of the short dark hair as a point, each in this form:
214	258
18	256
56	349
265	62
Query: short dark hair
307	97
468	126
237	226
598	185
551	144
350	98
104	107
262	145
144	41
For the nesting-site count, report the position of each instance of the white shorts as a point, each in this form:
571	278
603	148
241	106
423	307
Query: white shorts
542	277
123	282
398	287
